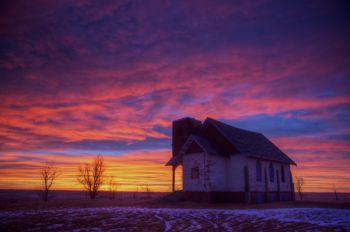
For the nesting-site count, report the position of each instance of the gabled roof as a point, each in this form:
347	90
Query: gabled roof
205	144
250	143
202	142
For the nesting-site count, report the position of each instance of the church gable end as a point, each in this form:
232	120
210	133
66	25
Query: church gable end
194	148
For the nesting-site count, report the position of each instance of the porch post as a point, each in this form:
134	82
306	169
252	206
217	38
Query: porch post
174	167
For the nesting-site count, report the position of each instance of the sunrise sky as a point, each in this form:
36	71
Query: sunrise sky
81	78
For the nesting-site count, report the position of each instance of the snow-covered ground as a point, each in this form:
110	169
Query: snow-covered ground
149	219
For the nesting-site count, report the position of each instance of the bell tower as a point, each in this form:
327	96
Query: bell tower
182	129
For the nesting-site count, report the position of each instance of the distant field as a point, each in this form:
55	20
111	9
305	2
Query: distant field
324	196
64	194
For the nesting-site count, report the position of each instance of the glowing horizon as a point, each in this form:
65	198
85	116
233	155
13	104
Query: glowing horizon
81	78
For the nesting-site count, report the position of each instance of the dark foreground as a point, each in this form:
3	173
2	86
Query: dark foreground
175	219
155	215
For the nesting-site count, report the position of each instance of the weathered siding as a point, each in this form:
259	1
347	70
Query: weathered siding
194	148
216	167
225	179
259	186
212	172
190	161
235	171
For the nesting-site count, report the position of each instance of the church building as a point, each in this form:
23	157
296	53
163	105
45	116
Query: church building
224	163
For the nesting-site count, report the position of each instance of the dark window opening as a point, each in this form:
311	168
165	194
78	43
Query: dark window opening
282	173
258	171
195	173
271	173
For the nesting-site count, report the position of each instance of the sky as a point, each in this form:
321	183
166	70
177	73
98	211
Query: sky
82	78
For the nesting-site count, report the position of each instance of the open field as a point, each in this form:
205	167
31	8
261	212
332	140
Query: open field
170	219
72	212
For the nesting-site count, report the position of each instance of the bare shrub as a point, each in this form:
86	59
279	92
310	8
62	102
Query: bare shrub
299	186
113	187
147	190
91	176
335	193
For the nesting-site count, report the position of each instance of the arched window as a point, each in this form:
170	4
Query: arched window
282	173
271	173
258	171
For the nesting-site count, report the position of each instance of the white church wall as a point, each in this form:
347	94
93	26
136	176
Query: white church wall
259	186
190	161
216	167
227	174
235	171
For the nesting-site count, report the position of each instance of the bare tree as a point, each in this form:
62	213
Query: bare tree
335	193
134	194
299	186
146	189
91	176
113	185
48	175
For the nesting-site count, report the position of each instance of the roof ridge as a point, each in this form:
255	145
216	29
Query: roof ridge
228	125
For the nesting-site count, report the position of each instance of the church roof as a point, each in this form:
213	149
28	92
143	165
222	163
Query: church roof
250	143
246	142
205	144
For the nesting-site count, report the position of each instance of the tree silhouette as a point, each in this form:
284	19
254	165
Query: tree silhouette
299	186
148	191
335	193
48	175
91	176
113	187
